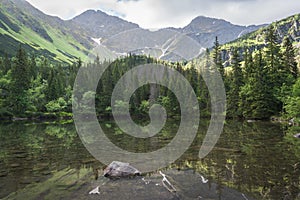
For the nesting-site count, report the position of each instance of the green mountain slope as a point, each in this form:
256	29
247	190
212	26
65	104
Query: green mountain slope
288	27
20	23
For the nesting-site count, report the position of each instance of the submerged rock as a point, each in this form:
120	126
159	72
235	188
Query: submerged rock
120	169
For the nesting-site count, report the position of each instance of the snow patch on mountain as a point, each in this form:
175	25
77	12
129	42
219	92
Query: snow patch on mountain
97	40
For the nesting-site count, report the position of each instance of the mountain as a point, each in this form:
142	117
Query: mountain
122	37
205	29
59	40
66	40
99	24
288	27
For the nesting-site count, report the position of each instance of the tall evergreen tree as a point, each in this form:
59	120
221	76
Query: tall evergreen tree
55	84
6	64
33	67
235	86
278	73
289	61
273	59
248	64
257	100
217	59
20	83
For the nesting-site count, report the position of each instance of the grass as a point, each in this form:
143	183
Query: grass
63	48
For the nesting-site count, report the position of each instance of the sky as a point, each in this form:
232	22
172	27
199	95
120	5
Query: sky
155	14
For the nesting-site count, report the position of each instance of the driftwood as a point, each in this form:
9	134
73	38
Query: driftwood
95	191
166	183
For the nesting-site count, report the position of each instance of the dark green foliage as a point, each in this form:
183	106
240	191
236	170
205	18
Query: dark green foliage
292	103
20	81
258	86
257	100
265	88
289	61
30	85
5	64
217	57
235	87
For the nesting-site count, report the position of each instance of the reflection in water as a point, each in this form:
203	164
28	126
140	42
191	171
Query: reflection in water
251	160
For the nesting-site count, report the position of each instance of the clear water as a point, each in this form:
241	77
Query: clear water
251	161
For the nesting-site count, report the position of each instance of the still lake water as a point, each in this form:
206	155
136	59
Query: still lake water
258	160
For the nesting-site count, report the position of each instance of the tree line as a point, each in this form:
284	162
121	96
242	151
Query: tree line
264	82
259	84
34	87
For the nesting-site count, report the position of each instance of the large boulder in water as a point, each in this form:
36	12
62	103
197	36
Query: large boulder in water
120	169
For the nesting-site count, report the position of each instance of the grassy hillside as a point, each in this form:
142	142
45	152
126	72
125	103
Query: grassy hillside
38	35
289	27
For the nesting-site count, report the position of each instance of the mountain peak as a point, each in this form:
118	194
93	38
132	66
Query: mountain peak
91	13
100	24
205	22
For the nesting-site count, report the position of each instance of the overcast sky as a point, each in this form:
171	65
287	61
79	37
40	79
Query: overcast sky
176	13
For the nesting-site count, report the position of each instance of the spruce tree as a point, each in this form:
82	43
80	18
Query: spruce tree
248	64
289	61
6	64
20	83
235	86
217	57
257	100
273	59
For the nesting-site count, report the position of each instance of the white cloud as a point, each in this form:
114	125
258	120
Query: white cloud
164	13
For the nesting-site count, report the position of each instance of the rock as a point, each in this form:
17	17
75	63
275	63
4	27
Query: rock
297	135
120	169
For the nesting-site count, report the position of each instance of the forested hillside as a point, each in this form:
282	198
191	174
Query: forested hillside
33	87
261	73
260	69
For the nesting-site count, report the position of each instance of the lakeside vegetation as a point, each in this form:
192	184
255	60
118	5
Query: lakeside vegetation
259	84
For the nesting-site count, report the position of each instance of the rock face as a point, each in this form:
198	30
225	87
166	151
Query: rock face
99	24
120	169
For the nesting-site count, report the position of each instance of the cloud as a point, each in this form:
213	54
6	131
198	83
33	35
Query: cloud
165	13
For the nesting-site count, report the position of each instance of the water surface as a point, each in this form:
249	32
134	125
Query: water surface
250	161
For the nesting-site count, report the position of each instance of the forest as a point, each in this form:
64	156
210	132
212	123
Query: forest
260	83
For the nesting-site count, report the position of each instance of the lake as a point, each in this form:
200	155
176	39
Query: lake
259	160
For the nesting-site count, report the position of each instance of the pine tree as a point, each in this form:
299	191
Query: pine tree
235	86
248	64
257	100
55	84
20	83
289	61
273	59
33	67
204	98
6	64
217	59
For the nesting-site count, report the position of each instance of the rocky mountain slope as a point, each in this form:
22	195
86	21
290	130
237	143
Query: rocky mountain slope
60	40
99	24
205	29
169	43
288	27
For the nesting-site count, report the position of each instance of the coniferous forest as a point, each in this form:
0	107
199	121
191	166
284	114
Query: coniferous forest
260	83
67	84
